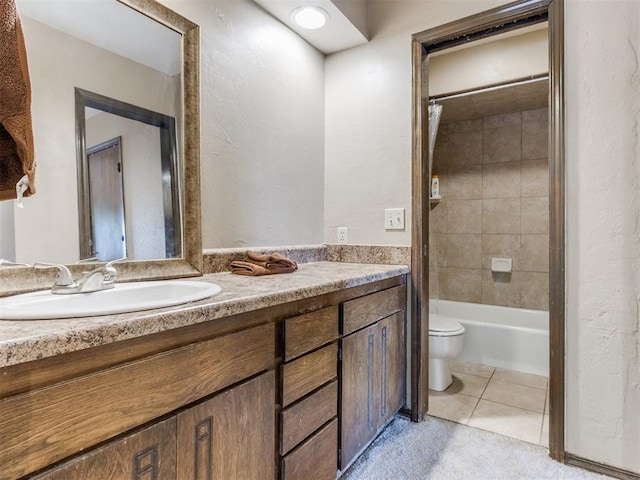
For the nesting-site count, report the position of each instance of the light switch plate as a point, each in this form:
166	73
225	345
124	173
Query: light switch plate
394	218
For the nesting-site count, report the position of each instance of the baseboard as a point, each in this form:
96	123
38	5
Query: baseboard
598	467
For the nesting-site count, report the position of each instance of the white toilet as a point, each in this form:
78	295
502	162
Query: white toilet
445	343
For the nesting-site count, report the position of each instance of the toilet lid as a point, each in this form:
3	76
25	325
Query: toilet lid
444	325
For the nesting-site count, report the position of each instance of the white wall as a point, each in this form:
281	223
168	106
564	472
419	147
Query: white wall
502	59
262	127
368	121
368	167
603	244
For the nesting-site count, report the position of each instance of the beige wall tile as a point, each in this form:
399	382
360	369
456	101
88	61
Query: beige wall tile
534	253
501	215
535	291
438	248
535	140
464	251
464	216
465	148
465	126
502	144
461	284
535	178
538	115
438	217
501	288
501	180
463	182
535	215
505	246
502	120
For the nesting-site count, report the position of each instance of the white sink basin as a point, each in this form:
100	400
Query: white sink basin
124	297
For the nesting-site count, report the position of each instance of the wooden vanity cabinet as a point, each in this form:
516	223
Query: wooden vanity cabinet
229	436
372	368
309	394
259	395
214	382
147	454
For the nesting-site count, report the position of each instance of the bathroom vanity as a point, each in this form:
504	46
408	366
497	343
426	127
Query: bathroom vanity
285	376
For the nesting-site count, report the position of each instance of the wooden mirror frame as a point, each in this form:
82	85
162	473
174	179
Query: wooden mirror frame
498	20
23	279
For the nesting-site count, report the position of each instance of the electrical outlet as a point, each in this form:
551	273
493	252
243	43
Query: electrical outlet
343	235
394	219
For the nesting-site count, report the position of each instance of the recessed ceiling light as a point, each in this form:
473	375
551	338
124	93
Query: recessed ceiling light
310	17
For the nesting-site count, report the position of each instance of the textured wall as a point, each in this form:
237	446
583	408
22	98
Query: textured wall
603	244
369	137
494	182
262	127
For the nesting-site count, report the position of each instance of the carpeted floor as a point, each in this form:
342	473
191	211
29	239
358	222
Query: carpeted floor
442	450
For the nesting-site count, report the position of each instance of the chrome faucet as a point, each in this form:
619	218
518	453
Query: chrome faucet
100	278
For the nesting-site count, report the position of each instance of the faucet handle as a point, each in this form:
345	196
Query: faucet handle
64	275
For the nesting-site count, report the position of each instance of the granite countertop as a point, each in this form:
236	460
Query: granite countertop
27	340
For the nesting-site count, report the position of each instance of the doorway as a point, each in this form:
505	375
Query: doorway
106	201
482	26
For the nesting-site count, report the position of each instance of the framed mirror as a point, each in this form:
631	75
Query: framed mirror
100	72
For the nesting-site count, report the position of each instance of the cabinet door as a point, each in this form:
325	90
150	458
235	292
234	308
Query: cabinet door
360	384
149	454
231	435
392	360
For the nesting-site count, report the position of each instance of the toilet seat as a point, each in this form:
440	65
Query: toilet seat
444	326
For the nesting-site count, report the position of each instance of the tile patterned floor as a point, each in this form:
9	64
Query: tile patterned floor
502	401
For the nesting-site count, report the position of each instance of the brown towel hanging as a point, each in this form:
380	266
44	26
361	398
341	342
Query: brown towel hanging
257	264
16	133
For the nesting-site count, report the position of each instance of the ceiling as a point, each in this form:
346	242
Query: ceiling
346	28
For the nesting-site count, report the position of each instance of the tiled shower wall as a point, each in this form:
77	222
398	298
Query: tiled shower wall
494	182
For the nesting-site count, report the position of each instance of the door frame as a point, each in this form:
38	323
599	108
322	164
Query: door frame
114	142
491	22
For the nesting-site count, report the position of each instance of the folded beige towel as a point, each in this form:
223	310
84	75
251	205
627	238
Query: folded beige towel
16	133
257	264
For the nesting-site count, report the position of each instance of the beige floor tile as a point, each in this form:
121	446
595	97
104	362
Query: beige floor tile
544	436
466	384
451	406
526	379
506	420
515	395
471	368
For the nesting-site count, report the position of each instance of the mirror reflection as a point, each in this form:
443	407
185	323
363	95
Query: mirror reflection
72	46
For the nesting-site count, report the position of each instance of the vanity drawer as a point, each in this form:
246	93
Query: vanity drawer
316	458
112	401
310	331
302	419
307	373
363	311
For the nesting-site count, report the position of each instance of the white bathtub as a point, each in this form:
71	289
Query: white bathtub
504	337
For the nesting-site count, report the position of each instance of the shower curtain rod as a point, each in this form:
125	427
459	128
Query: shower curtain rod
466	93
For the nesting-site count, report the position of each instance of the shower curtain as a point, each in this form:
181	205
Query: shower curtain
435	111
